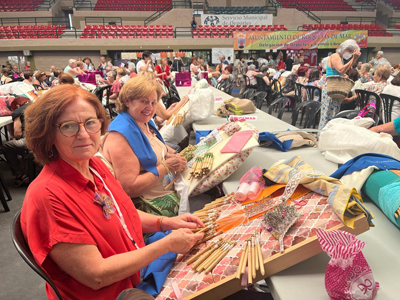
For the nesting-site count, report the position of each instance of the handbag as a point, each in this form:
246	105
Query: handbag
236	106
368	111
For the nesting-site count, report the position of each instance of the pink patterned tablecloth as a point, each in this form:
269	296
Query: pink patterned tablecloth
317	214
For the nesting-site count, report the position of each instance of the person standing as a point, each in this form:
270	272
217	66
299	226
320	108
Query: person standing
145	64
193	23
102	65
289	63
324	62
350	51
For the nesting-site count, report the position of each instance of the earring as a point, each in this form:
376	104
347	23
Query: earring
51	154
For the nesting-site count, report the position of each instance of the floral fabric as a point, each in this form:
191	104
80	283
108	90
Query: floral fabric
329	108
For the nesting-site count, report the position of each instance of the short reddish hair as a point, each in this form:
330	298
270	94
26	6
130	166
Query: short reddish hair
41	116
19	101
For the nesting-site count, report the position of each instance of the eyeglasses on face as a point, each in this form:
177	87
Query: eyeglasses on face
71	128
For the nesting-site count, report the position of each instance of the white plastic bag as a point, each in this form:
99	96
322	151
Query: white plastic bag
343	139
173	134
201	101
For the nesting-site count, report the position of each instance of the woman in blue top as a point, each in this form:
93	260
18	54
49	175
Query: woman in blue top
348	51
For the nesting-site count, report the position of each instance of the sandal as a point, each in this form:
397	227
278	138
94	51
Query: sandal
23	179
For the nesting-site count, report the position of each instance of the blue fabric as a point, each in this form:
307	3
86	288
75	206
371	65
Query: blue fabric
331	71
156	273
389	201
269	137
396	124
200	134
362	161
127	126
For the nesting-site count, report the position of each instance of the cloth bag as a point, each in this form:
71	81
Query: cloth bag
348	275
155	274
236	106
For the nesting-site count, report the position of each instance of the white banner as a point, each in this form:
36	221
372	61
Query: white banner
217	52
260	19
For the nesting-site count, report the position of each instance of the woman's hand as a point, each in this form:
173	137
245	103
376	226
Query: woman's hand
182	240
356	54
175	163
183	221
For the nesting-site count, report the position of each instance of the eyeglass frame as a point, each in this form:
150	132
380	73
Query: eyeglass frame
79	126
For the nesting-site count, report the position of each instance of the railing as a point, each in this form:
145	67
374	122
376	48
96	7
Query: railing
391	5
365	6
392	22
361	20
32	34
183	32
308	13
103	20
83	5
158	14
77	33
34	21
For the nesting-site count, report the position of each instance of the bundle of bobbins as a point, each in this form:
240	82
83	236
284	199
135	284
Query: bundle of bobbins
202	166
176	119
188	152
210	256
252	258
209	215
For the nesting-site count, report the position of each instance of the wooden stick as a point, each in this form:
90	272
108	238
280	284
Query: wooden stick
260	257
253	257
241	262
219	258
210	258
243	269
203	258
256	256
198	254
249	264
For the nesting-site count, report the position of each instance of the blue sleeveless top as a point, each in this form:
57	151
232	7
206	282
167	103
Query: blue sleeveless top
331	71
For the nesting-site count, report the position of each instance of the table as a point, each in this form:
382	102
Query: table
306	279
3	122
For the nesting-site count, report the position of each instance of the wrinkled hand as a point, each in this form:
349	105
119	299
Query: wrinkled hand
182	240
175	162
183	221
356	54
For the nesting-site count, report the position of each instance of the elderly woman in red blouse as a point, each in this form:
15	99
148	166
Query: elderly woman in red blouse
80	225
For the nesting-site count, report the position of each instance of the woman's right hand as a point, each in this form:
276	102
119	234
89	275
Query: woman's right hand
356	54
175	163
182	240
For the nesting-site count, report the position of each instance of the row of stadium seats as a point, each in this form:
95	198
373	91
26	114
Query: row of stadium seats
397	26
31	27
394	3
236	9
19	5
126	35
31	32
317	5
241	27
128	31
341	26
130	27
132	5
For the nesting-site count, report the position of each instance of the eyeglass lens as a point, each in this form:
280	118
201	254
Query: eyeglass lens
71	128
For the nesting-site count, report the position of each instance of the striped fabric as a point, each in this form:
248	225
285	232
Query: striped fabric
339	244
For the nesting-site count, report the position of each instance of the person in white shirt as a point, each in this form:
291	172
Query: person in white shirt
394	89
324	62
145	64
131	65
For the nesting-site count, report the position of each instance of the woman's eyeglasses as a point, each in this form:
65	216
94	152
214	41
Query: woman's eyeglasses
71	128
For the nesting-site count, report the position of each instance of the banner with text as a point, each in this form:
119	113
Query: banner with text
293	39
261	19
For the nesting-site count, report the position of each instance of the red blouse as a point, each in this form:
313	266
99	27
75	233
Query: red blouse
59	208
160	70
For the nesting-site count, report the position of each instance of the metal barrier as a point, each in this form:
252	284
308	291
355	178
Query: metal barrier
361	20
34	21
83	5
104	20
392	22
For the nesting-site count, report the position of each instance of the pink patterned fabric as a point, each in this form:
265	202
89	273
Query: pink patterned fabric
348	275
317	214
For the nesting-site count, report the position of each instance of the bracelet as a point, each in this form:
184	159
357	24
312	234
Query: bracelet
159	224
165	166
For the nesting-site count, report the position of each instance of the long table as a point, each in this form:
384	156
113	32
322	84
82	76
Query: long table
3	122
306	279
